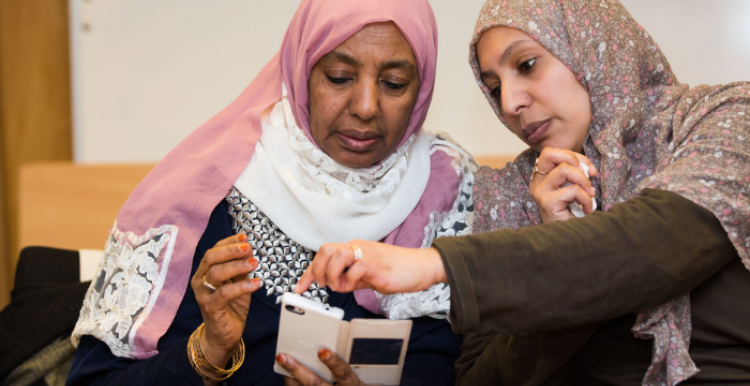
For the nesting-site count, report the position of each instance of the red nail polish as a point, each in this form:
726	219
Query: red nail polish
324	354
242	237
244	247
281	358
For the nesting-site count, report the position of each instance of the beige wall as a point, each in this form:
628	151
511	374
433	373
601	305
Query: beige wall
148	73
35	118
35	121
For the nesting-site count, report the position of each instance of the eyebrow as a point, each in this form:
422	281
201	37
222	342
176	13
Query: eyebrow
342	57
397	64
505	55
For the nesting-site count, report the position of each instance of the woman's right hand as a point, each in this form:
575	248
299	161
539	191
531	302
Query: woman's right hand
385	268
226	267
556	168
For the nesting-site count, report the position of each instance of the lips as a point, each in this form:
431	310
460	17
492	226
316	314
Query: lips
535	131
357	140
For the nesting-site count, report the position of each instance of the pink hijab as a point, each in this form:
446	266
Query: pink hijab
177	197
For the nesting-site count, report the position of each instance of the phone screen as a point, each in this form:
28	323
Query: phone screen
375	351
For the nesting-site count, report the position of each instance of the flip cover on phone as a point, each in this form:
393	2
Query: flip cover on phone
374	348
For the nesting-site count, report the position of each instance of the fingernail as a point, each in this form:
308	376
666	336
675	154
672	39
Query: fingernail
592	190
256	281
242	237
244	247
324	354
281	358
252	261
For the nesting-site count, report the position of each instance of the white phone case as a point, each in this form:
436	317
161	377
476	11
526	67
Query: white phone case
305	327
378	346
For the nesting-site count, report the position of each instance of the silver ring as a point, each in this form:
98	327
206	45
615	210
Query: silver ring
357	253
208	286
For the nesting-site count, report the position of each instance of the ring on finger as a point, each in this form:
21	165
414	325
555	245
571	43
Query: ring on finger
208	286
536	169
357	252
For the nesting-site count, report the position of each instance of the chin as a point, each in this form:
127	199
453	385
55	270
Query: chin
356	162
537	148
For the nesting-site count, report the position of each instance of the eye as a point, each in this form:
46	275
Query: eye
527	65
495	92
394	86
335	80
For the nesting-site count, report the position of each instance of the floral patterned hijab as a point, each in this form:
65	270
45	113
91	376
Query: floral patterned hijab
648	131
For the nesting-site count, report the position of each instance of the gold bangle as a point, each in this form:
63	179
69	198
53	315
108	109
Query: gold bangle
197	368
203	366
237	358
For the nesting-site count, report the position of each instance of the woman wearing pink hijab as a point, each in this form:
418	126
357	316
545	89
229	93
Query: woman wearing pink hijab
325	145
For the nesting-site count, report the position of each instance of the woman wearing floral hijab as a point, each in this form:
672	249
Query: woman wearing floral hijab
668	254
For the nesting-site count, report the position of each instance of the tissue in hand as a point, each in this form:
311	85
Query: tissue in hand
575	207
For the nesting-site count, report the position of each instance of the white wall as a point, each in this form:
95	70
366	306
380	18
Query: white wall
147	72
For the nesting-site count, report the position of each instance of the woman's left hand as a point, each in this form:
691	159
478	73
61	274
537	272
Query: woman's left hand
554	169
342	372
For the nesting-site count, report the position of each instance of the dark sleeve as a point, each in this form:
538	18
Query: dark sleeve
641	253
519	359
94	363
97	366
478	360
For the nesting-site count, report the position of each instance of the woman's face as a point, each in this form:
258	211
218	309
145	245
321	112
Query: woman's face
362	95
540	98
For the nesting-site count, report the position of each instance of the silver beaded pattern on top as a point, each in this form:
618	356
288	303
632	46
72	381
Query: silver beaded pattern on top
282	260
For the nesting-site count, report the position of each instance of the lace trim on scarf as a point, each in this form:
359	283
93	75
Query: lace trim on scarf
319	173
435	301
123	293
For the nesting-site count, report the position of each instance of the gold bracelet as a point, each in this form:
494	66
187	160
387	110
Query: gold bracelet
201	373
237	358
203	366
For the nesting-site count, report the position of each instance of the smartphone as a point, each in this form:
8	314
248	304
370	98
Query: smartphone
306	326
376	349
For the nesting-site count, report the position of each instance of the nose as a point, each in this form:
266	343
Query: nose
514	98
365	99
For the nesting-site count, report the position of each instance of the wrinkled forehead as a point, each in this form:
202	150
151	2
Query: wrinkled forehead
322	25
384	38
